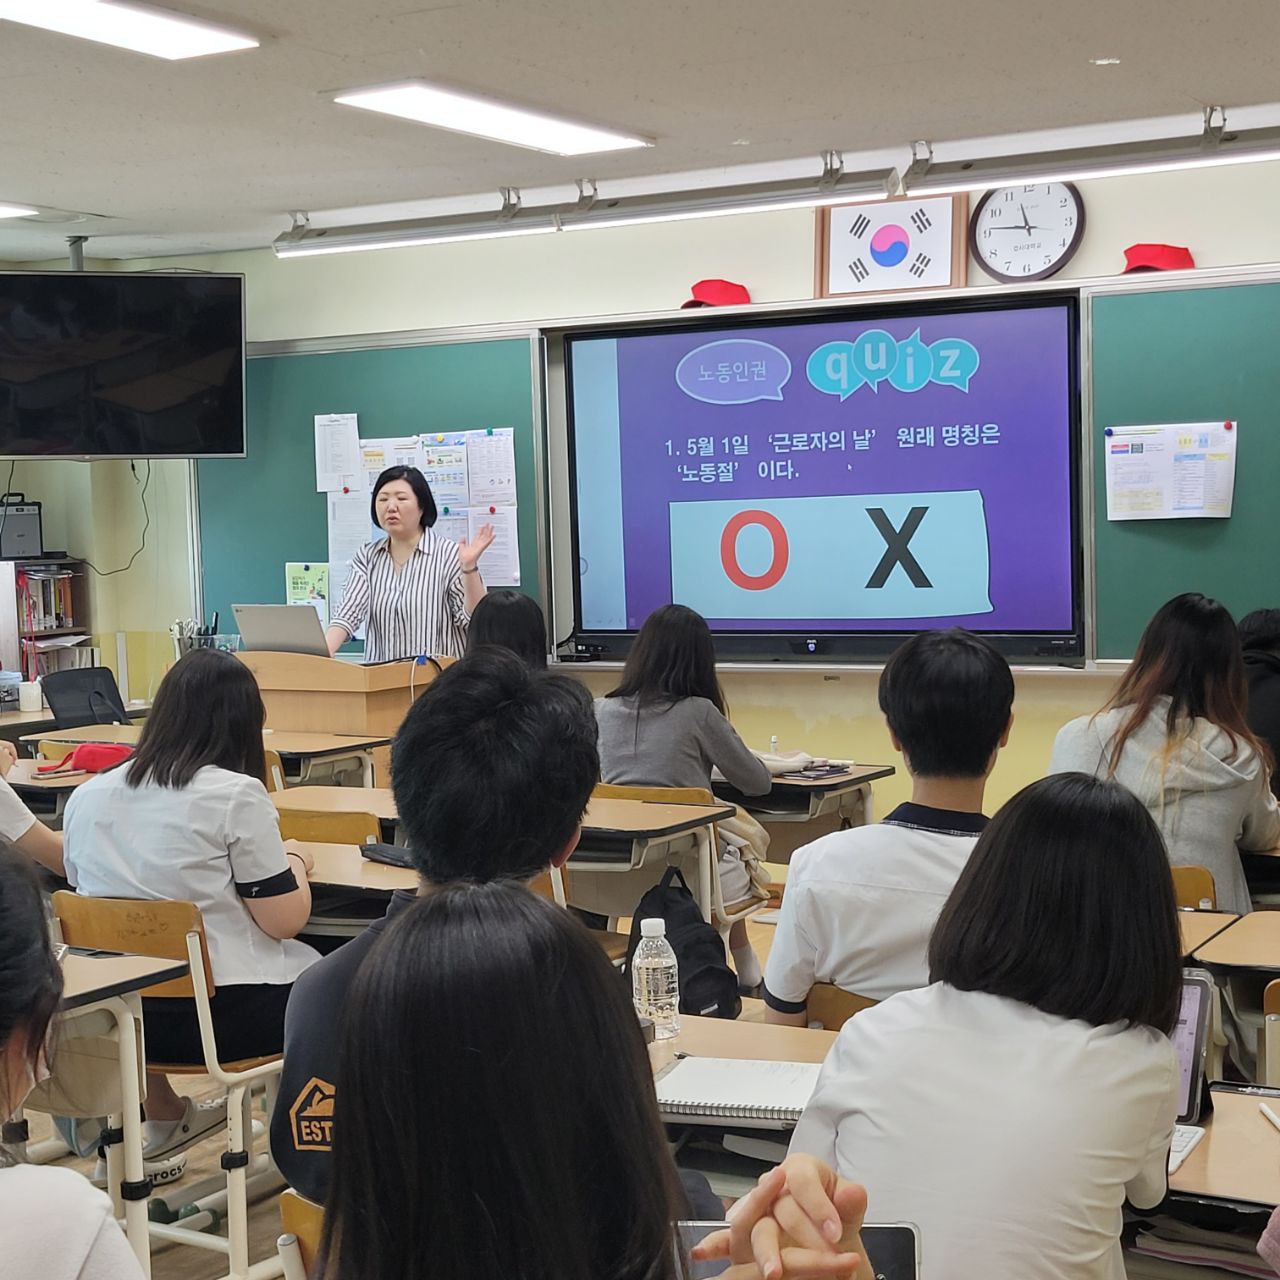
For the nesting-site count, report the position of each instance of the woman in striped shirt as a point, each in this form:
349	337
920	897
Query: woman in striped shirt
413	590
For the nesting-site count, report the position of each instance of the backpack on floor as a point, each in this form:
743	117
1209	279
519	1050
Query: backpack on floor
708	987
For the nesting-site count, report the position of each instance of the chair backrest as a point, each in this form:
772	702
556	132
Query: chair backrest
304	1219
48	749
84	695
543	884
275	770
833	1007
1193	887
658	795
330	828
144	927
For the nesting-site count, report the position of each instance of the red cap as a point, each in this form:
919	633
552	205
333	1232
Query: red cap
1158	257
717	293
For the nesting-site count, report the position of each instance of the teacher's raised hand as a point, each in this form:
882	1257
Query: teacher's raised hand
469	553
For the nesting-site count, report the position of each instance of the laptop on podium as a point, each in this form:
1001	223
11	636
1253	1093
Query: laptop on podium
281	628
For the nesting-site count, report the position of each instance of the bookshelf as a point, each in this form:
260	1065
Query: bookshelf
44	607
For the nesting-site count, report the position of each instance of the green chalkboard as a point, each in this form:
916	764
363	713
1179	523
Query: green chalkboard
1188	355
262	510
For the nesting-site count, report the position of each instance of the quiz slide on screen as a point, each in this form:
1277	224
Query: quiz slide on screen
873	474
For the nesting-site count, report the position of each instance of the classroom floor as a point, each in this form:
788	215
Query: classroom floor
180	1262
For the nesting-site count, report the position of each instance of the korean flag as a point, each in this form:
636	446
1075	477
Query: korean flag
899	244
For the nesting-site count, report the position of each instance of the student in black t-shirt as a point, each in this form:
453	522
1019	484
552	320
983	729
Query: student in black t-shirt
492	770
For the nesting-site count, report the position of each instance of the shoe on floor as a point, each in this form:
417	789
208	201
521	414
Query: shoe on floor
161	1172
199	1120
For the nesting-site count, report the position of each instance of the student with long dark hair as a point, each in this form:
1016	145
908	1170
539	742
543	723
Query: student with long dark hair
665	726
510	620
188	818
1012	1106
53	1223
1260	641
1176	733
514	1131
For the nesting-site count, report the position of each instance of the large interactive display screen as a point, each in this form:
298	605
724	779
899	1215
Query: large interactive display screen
807	482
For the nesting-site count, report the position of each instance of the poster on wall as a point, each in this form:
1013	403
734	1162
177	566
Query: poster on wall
1182	471
307	583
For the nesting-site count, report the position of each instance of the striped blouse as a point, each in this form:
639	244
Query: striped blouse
420	608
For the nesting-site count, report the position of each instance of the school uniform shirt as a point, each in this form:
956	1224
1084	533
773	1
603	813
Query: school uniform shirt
1209	799
414	609
15	818
1010	1137
302	1123
55	1225
860	905
215	842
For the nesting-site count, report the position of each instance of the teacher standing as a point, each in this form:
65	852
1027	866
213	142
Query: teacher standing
413	591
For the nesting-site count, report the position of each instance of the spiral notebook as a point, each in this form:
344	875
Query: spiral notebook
745	1093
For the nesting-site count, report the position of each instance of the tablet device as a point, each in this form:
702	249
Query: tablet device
1190	1041
893	1249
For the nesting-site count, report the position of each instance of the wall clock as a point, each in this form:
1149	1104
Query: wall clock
1027	232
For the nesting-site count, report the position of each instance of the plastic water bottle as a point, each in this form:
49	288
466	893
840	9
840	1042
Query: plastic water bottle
655	979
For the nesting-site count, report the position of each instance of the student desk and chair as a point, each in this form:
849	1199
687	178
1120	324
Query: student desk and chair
625	848
98	1068
300	751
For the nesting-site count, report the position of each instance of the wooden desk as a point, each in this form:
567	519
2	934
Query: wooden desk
721	1038
302	748
15	723
1238	1159
30	785
1252	942
100	1057
1197	927
341	866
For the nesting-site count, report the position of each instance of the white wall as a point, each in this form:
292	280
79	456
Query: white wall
1226	216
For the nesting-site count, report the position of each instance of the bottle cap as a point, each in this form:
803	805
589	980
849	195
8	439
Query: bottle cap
653	927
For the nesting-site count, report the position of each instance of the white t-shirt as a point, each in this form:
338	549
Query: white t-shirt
860	905
15	818
214	842
1008	1136
55	1225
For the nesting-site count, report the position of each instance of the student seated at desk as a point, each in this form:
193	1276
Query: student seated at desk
665	726
860	904
510	620
1260	642
492	770
1011	1107
498	1115
20	827
1176	733
188	818
53	1223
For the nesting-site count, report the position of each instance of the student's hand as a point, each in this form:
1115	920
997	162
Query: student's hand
8	757
469	553
304	855
801	1222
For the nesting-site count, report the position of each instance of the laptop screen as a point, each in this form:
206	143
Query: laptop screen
1188	1043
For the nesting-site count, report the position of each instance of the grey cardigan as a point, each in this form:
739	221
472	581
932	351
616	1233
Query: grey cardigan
674	745
1209	801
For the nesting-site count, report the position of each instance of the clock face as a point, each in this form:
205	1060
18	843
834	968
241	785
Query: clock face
1027	232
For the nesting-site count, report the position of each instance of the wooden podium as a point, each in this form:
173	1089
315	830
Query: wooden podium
326	695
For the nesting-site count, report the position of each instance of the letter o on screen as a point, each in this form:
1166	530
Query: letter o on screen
729	551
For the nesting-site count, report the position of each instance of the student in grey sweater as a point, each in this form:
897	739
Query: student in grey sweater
664	726
1175	732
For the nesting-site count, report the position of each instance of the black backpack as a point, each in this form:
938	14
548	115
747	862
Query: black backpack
708	987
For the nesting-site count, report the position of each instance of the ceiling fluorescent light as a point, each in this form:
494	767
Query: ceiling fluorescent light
16	211
158	32
303	241
483	118
1214	148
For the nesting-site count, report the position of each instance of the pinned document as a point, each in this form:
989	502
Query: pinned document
337	450
500	564
307	583
491	466
1181	471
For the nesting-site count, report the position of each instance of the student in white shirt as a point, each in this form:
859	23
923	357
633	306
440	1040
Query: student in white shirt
188	818
20	826
1010	1108
53	1223
860	904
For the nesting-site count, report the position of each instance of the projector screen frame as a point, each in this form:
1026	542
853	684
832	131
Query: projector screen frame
1063	648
